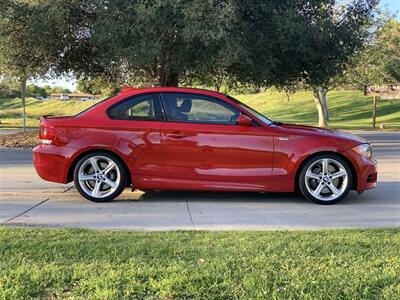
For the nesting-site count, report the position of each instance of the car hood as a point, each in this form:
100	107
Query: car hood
317	131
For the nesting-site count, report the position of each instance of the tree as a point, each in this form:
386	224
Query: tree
164	42
9	88
379	63
154	42
97	86
26	42
37	37
389	43
299	42
34	90
59	90
333	34
48	89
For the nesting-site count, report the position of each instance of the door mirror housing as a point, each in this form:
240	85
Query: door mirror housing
244	120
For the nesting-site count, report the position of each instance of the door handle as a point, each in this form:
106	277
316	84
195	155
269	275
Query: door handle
175	135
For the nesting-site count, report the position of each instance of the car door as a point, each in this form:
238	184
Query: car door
202	142
138	120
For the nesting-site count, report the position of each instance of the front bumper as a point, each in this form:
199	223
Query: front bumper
366	171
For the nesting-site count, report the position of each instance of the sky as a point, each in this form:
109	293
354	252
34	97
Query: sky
69	82
392	5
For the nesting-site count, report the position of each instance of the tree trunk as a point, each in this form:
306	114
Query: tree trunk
322	122
218	85
322	96
172	79
23	93
167	78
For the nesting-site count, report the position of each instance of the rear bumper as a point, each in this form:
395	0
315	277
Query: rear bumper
366	171
51	163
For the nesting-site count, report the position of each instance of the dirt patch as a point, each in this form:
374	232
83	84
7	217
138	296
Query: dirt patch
27	139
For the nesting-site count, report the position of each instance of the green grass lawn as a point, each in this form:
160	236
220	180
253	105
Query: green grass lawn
11	112
348	109
82	264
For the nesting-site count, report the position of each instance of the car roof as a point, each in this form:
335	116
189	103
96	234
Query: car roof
132	90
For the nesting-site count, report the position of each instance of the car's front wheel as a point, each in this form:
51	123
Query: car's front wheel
325	179
100	177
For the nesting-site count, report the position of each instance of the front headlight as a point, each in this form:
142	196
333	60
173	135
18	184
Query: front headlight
364	150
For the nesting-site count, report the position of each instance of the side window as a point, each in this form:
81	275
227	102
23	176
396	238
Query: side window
192	108
143	107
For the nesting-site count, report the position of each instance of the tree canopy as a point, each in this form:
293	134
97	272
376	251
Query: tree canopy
260	42
159	42
379	63
97	86
24	40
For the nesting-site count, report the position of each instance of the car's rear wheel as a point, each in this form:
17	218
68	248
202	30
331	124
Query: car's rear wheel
100	177
325	179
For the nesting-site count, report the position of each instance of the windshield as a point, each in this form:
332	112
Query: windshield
252	111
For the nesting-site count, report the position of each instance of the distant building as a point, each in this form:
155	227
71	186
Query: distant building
73	96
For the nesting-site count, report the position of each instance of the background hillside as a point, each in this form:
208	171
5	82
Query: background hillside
347	109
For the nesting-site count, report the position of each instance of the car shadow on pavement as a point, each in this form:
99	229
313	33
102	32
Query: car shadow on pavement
199	196
384	193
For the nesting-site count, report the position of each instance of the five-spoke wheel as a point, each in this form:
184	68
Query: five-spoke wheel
325	179
99	177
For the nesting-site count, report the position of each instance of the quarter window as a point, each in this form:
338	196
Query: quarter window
194	108
142	107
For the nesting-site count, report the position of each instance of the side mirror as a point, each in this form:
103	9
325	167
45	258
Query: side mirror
244	120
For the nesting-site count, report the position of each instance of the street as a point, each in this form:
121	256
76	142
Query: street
26	200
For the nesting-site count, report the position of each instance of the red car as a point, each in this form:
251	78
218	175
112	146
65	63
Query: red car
192	139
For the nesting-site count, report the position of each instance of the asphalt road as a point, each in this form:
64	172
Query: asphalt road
26	200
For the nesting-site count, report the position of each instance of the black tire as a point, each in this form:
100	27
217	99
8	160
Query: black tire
303	185
119	187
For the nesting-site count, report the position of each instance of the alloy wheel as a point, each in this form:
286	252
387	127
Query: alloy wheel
326	179
99	176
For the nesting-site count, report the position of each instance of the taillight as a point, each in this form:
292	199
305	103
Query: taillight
47	134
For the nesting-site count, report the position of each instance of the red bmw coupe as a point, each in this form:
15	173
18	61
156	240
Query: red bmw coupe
192	139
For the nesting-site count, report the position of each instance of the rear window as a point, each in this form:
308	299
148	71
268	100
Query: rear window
144	107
